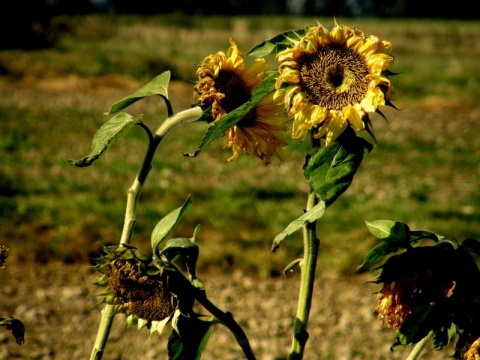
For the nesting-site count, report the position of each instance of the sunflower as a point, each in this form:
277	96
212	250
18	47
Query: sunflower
331	79
473	352
225	82
136	285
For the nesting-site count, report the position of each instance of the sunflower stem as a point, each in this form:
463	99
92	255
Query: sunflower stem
133	195
308	266
420	346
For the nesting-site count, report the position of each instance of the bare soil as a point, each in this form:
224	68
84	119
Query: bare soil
57	304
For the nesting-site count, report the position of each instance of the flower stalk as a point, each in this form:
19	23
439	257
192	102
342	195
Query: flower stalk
308	266
420	346
133	194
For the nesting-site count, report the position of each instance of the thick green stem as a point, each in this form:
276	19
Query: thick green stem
420	346
133	195
308	266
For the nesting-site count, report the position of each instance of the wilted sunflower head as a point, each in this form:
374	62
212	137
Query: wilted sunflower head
332	79
136	285
225	82
415	278
473	352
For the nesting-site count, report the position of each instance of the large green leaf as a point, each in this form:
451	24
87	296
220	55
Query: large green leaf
310	216
217	129
277	43
183	248
158	86
165	226
330	170
189	337
106	136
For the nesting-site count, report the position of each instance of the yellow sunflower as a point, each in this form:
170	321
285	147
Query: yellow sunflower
332	79
225	82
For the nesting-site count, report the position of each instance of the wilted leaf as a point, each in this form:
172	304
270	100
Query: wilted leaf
158	86
106	136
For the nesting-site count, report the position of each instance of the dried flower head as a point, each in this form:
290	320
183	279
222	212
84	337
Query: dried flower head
136	285
412	279
333	79
225	82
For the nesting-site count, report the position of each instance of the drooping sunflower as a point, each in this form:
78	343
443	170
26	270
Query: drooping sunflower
136	285
332	79
225	82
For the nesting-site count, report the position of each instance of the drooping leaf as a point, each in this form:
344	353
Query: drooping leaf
471	244
106	136
417	235
183	248
189	337
16	327
165	226
277	43
330	170
376	254
310	216
217	129
158	86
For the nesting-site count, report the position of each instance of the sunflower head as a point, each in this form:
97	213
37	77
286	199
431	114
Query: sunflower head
473	352
413	279
225	83
136	285
332	79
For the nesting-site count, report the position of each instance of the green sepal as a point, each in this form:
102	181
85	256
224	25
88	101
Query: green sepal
165	226
189	337
310	216
417	235
330	170
217	129
157	86
277	43
106	136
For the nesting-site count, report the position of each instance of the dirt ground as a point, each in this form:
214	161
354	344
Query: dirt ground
57	304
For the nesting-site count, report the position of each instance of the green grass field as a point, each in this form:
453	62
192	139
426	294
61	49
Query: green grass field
424	170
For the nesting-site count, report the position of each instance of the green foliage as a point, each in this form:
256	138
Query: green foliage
277	43
107	135
330	170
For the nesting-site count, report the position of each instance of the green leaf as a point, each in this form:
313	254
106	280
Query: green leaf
189	337
217	129
165	226
277	43
471	244
394	235
158	86
183	248
310	216
106	136
330	170
389	231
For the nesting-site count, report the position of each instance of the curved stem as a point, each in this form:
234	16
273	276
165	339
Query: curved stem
133	195
420	346
308	266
